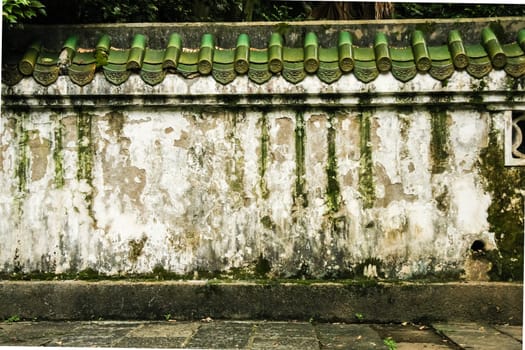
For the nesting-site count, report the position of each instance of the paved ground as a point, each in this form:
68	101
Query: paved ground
211	334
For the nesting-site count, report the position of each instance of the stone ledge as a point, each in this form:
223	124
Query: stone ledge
461	89
376	302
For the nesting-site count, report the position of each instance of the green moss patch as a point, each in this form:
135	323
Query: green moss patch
438	143
23	161
263	159
505	214
57	155
300	196
332	186
366	174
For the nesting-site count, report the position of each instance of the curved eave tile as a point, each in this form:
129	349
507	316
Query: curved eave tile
261	64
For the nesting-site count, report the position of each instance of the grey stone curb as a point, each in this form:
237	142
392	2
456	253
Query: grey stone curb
194	300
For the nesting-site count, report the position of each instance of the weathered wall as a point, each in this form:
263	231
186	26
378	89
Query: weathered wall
358	183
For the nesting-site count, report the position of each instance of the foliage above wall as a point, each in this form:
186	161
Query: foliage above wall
104	11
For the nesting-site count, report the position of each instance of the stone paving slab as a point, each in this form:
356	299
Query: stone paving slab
513	331
354	336
257	335
478	336
421	346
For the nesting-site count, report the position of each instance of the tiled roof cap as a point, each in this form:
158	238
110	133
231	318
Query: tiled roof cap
260	64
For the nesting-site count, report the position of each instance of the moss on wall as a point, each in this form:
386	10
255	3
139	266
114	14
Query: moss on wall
235	169
505	214
23	159
263	158
86	154
300	196
366	175
332	186
438	143
136	246
85	148
57	154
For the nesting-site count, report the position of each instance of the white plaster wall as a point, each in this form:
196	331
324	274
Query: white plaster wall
186	185
183	186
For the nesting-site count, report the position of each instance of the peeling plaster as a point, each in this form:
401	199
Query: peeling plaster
385	190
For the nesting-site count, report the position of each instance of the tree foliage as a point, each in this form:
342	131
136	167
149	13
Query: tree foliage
111	11
455	10
17	11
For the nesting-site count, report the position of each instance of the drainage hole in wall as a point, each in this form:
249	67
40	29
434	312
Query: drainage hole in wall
478	246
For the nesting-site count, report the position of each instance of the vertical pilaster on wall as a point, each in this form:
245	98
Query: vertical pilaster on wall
300	195
57	153
23	160
366	176
438	143
263	163
332	185
85	151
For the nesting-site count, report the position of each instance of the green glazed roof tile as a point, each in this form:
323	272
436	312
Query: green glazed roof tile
515	66
475	51
421	53
521	38
172	52
382	53
189	57
46	74
402	54
311	53
224	56
71	43
513	50
242	54
258	56
441	70
366	71
479	67
137	51
104	43
152	74
493	47
457	49
153	68
224	73
293	54
294	71
102	50
154	56
47	58
364	54
84	58
117	56
171	57
259	73
439	53
404	71
224	64
345	51
329	72
11	74
112	67
82	74
27	63
330	54
187	70
116	73
175	40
